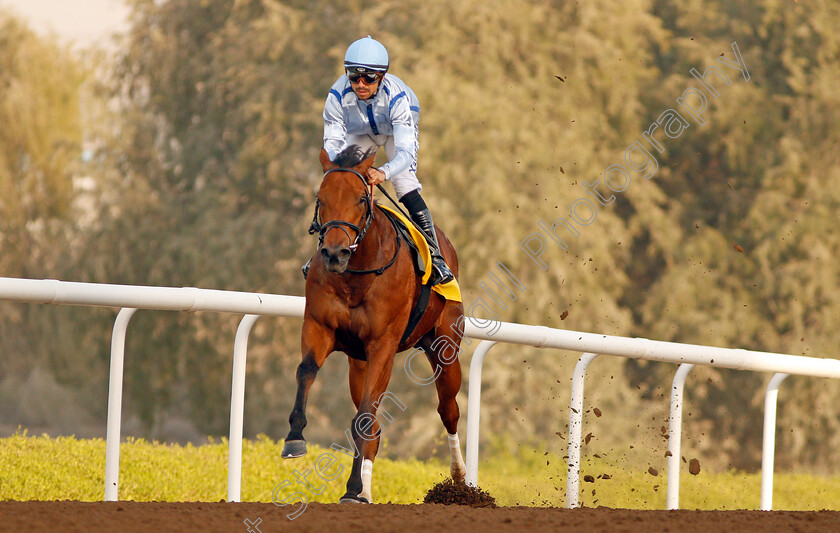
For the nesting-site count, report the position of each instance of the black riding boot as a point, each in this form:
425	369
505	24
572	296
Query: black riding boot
423	218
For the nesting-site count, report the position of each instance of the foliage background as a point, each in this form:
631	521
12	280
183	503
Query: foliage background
200	140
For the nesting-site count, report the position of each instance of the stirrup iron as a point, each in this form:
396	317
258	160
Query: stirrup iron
305	268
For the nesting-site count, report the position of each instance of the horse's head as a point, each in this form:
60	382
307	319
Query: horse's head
343	209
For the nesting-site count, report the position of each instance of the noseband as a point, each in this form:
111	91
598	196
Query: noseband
322	229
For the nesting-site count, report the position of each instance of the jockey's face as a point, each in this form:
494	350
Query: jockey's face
365	89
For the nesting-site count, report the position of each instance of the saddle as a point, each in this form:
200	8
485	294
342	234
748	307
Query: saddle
420	252
422	255
403	233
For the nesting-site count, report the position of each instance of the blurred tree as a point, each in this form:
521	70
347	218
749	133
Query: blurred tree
758	175
40	147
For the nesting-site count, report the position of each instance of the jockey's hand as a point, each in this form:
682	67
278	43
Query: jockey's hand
375	176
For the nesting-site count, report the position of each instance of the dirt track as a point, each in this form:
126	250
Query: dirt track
211	517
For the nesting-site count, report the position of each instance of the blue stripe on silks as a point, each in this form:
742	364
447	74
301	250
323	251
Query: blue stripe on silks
415	108
387	91
394	101
346	90
372	120
335	93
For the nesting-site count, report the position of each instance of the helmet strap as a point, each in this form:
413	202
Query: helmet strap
379	85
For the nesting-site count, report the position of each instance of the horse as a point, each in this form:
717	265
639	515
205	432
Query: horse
360	291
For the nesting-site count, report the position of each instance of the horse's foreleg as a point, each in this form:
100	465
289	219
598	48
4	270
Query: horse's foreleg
295	445
358	369
316	344
365	428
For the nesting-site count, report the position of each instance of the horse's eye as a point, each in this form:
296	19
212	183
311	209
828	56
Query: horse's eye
361	201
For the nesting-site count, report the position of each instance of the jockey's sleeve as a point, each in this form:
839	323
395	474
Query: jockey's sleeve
405	137
335	132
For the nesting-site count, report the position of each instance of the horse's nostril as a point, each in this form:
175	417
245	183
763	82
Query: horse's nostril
325	254
344	254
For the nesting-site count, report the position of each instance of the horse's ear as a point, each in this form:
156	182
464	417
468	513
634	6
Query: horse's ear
368	161
326	164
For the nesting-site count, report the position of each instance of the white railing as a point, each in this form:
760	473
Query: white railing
129	298
687	355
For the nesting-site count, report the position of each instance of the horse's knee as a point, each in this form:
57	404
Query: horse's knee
307	369
365	425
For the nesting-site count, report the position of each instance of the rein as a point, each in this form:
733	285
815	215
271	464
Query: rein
322	229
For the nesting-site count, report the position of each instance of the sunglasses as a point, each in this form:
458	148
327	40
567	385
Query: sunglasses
370	78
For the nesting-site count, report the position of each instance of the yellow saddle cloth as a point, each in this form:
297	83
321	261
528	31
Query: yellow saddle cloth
451	290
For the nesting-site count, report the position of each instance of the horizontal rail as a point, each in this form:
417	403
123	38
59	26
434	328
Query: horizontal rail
671	352
50	291
194	299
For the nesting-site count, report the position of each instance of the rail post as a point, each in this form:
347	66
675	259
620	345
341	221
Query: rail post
575	430
675	436
237	407
473	410
768	445
115	386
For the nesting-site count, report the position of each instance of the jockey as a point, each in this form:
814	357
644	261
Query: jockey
371	108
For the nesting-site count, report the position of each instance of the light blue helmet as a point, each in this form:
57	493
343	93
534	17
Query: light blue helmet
366	54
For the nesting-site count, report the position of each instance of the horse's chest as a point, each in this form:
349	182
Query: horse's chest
354	331
342	314
358	319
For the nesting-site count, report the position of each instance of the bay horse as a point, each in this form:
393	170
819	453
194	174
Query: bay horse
356	306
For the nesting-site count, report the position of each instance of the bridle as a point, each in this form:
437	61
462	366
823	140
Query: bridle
322	229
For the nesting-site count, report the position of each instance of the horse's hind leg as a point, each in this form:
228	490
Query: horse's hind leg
448	383
442	351
316	344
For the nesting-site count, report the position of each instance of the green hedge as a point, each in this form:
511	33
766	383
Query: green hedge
66	468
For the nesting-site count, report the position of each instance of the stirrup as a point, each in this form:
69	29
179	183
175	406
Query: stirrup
442	274
305	268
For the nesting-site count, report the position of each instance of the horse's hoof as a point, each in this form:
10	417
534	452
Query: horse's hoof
352	499
294	448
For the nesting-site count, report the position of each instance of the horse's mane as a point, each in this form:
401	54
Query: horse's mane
352	156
